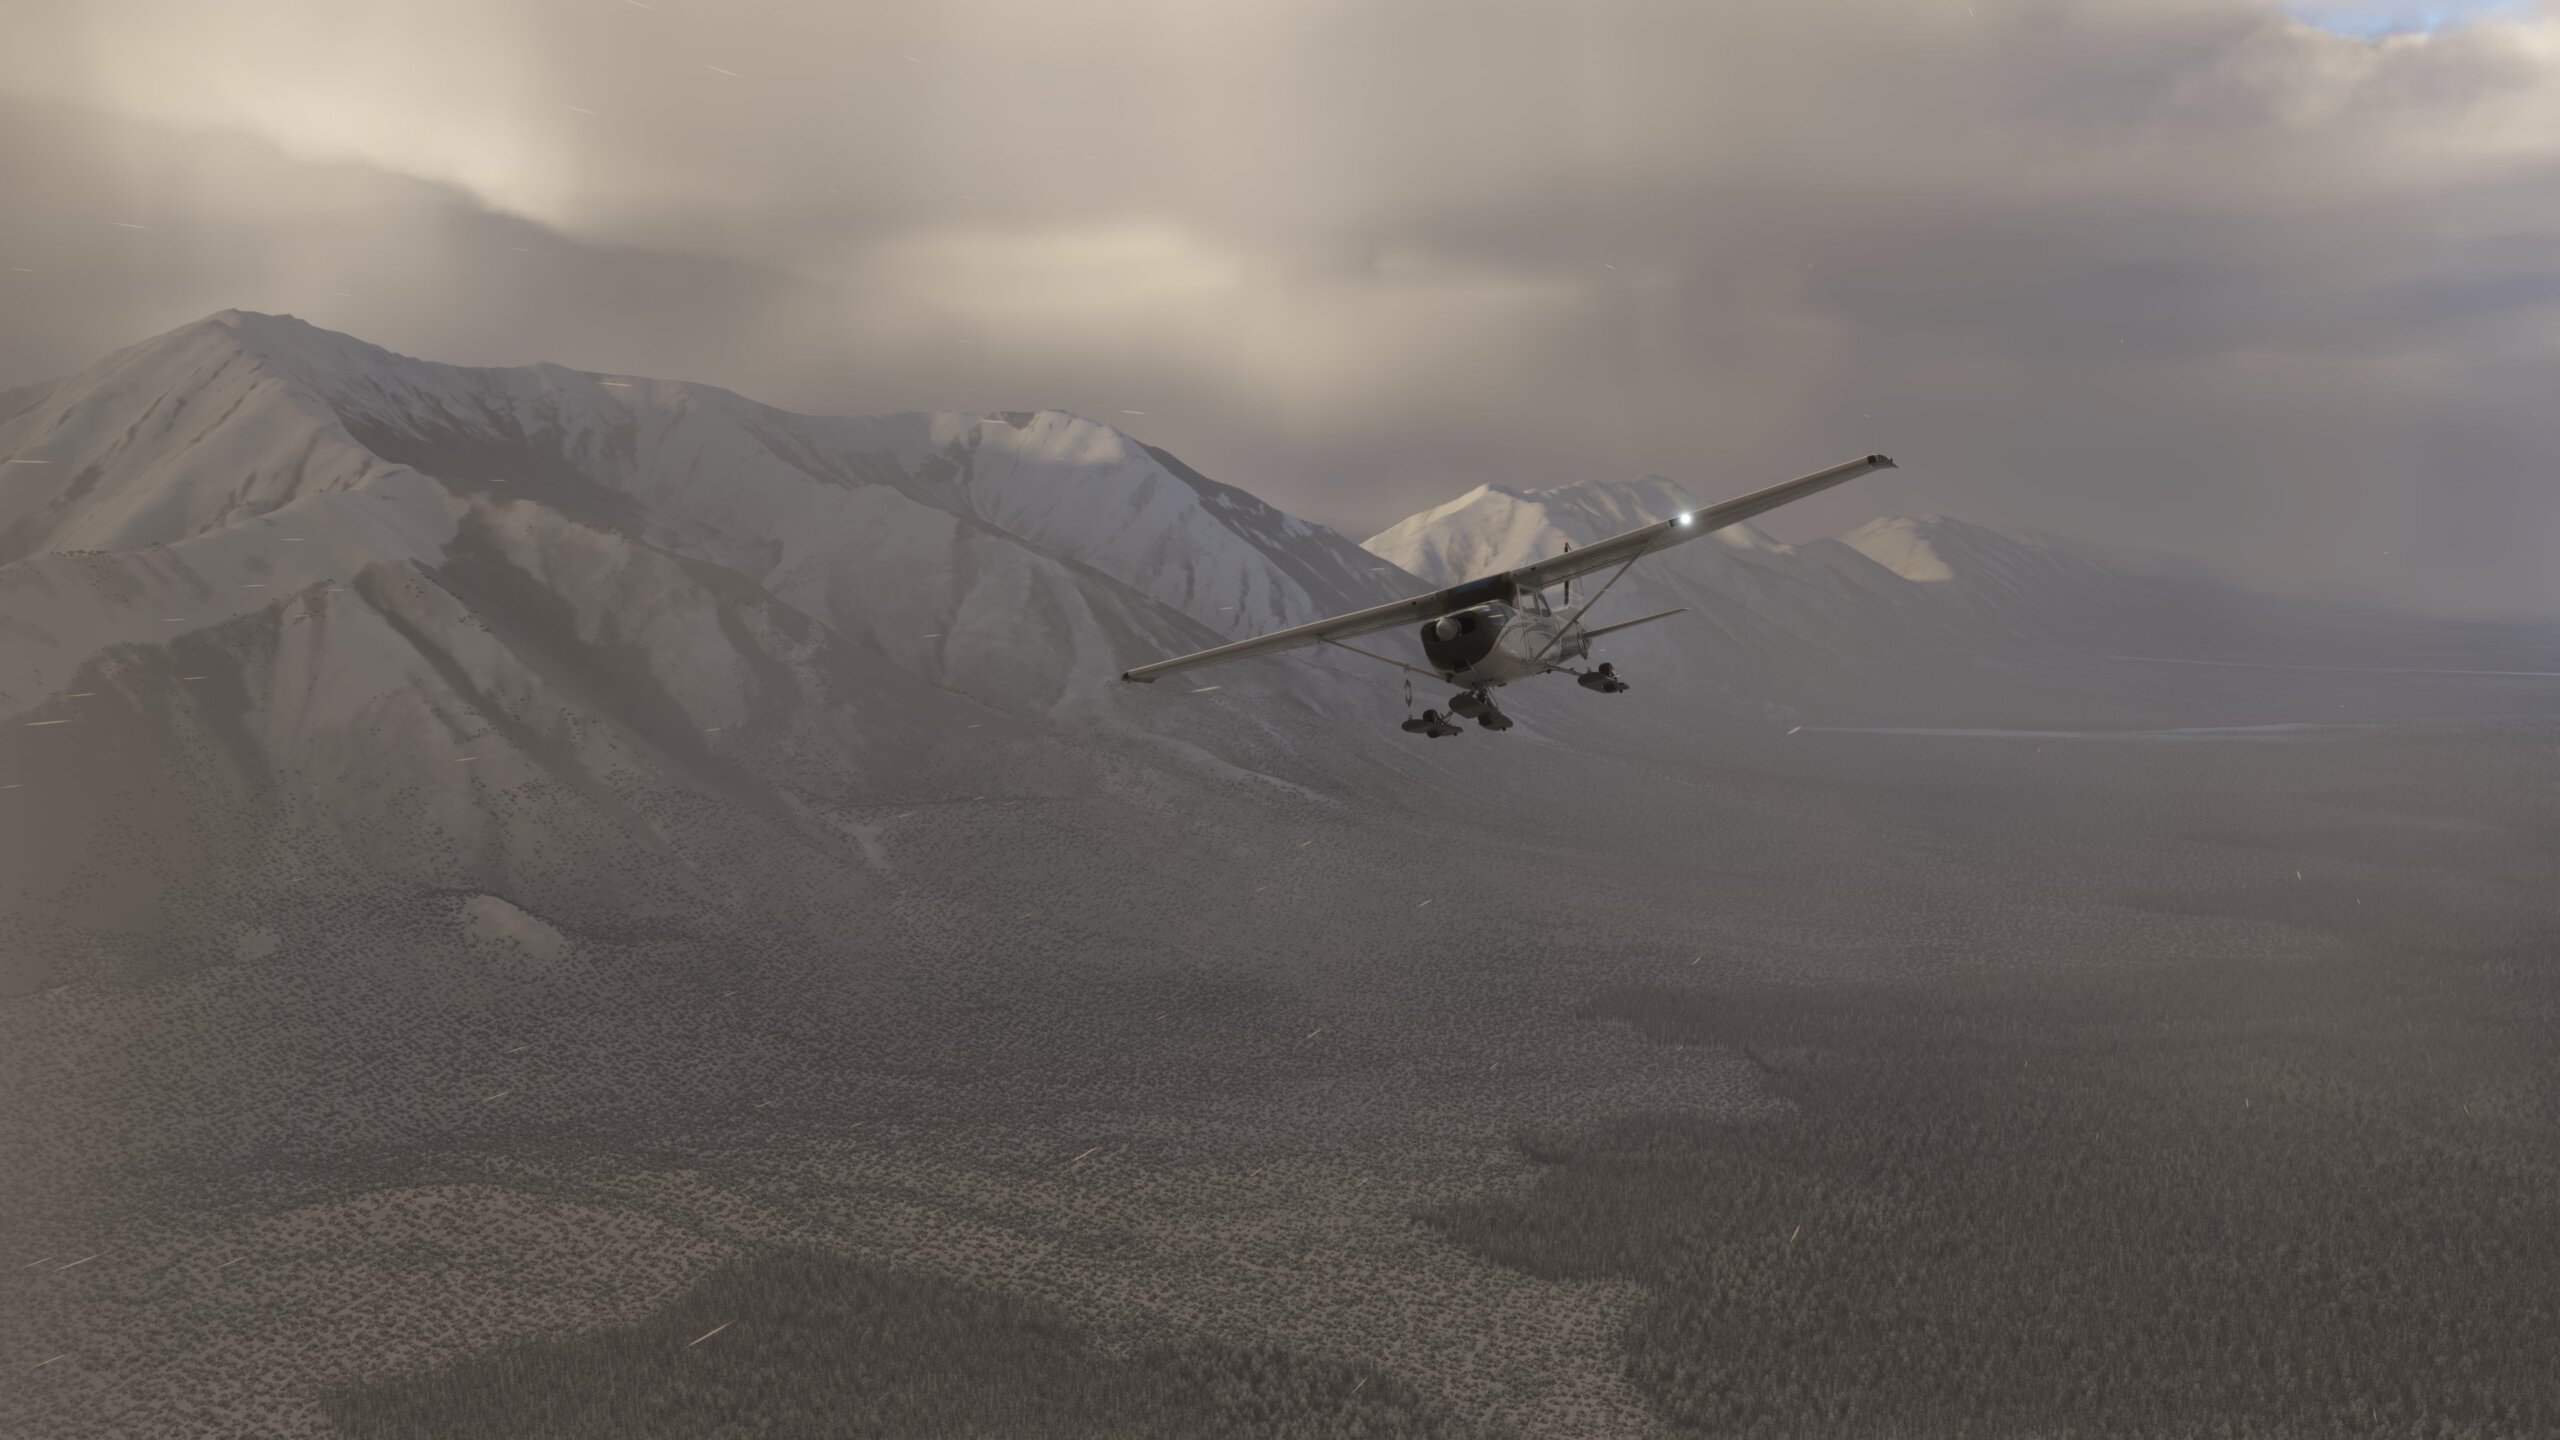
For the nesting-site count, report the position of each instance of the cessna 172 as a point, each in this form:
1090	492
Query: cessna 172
1499	628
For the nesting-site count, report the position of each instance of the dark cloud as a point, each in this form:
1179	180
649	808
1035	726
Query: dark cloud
2182	273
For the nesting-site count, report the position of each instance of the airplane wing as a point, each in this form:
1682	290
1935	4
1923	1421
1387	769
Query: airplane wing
1508	586
1662	535
1339	627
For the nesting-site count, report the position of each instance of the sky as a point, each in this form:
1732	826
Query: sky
2377	19
2273	285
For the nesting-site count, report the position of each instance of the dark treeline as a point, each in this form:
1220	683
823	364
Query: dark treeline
2319	1202
817	1346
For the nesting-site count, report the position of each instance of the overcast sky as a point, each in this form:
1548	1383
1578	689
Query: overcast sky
2276	286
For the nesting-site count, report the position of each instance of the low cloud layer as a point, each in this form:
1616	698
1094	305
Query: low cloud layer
2194	274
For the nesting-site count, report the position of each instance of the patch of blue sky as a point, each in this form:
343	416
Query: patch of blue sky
2377	19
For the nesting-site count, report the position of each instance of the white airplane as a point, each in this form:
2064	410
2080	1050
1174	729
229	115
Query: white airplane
1494	630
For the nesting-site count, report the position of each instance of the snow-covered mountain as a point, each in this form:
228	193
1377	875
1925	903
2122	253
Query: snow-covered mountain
2027	585
275	600
241	414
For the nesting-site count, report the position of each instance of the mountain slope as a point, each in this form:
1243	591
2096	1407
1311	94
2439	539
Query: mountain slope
579	639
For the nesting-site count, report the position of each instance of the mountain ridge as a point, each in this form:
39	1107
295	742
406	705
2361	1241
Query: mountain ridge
283	603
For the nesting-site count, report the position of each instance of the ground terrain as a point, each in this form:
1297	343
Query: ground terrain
1863	1082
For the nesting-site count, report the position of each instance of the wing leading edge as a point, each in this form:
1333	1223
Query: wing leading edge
1508	586
1663	534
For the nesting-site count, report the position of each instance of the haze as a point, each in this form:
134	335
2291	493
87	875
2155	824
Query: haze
2269	286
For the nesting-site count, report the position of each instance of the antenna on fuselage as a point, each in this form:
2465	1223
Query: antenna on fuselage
1568	582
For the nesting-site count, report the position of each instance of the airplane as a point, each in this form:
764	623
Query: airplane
1499	628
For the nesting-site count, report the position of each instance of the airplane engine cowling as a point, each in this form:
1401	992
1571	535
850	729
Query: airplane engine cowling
1472	637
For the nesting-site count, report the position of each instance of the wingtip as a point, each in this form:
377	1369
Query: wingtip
1882	462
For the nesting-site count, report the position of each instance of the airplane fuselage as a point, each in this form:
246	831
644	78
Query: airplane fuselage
1496	644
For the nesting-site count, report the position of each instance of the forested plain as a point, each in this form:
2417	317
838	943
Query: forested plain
808	1344
2231	1200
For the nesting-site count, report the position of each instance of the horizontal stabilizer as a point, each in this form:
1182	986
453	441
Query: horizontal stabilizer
1596	631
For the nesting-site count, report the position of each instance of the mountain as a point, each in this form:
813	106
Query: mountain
2024	585
280	603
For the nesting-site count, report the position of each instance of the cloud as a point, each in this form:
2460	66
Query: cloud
2187	273
229	220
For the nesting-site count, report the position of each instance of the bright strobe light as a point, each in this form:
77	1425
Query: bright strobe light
1684	520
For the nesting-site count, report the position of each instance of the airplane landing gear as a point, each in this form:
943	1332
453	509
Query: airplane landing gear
1604	679
1431	725
1478	706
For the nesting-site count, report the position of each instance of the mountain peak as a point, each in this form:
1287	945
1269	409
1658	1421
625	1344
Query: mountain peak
1936	549
282	338
210	422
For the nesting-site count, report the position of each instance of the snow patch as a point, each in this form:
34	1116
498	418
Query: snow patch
488	922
